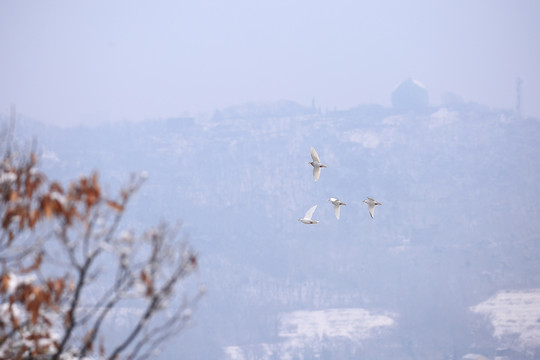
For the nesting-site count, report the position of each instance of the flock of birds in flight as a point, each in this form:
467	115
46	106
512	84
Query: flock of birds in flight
317	166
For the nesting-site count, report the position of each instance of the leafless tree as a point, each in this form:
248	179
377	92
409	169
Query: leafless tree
68	270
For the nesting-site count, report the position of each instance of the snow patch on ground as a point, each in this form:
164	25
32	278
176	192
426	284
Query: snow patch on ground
369	139
514	312
353	324
310	330
443	117
234	353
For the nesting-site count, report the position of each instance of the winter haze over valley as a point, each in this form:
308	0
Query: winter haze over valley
448	266
401	105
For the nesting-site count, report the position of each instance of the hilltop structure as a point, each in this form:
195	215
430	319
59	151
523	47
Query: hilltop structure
410	95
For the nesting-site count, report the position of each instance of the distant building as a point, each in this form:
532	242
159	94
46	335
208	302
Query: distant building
410	95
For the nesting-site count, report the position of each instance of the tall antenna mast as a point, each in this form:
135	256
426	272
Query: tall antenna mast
13	113
518	96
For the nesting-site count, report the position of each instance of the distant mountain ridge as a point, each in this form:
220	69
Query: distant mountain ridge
459	221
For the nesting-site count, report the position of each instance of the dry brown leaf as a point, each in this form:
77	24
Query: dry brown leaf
35	265
115	206
14	196
5	282
56	187
47	207
33	218
87	338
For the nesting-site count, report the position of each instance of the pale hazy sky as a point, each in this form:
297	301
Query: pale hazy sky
69	62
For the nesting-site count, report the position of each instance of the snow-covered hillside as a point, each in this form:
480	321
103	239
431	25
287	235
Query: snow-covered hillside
459	223
514	313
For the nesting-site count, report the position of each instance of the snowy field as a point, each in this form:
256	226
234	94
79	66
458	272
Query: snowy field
514	313
301	330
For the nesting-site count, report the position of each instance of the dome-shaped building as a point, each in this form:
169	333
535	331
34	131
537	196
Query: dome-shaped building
410	95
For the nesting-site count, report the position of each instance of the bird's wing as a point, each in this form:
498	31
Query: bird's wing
310	212
337	211
314	155
316	172
371	210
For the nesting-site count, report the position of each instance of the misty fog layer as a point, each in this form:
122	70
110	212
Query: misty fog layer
448	266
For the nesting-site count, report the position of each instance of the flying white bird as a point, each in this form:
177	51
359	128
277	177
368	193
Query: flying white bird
309	214
316	163
371	205
337	203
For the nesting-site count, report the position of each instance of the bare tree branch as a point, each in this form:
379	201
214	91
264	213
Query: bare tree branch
169	328
145	269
